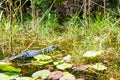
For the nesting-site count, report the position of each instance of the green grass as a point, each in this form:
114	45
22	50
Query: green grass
73	37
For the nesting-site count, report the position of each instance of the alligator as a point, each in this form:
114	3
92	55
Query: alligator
32	53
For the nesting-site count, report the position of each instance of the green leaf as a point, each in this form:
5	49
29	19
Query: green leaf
99	66
64	66
9	68
4	77
42	57
91	54
42	74
5	63
12	75
67	76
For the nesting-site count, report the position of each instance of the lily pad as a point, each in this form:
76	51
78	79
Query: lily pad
99	67
12	75
9	68
42	57
67	58
58	62
24	78
80	68
112	78
91	54
80	79
64	66
42	74
55	75
67	77
4	77
41	62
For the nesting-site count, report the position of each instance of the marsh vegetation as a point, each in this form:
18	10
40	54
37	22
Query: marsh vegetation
87	31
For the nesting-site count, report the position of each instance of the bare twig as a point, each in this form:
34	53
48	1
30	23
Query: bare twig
31	43
10	43
104	7
116	22
89	3
85	11
33	16
21	14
